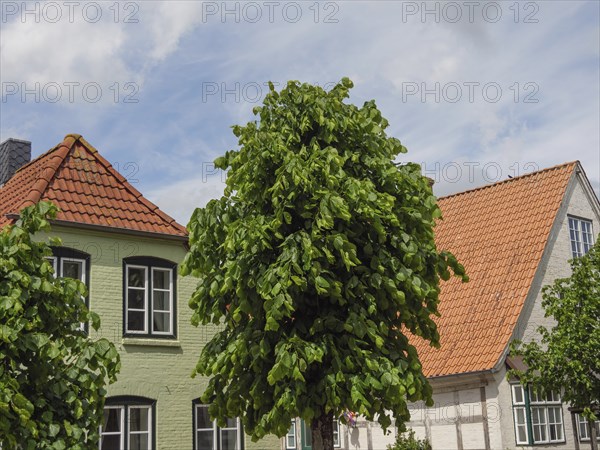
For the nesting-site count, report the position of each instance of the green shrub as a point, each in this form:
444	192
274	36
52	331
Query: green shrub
408	441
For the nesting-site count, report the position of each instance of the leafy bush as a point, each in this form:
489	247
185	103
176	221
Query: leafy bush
408	441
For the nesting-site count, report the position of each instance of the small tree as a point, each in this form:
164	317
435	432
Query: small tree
408	441
318	259
52	375
567	357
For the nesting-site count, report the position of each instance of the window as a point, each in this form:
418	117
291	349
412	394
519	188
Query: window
537	417
149	297
336	434
582	238
290	438
71	263
307	435
128	424
582	428
208	436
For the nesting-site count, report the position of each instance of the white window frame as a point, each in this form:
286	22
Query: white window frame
519	406
121	433
582	422
148	409
54	260
170	292
217	431
534	405
135	288
544	404
126	432
337	441
291	435
582	240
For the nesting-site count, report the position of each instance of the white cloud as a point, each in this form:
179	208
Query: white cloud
179	199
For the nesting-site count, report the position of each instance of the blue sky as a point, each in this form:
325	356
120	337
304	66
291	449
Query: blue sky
476	91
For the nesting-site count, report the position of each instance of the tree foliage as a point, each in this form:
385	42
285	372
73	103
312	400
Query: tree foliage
52	375
567	356
318	259
408	441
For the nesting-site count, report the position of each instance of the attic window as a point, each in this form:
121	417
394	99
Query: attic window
582	237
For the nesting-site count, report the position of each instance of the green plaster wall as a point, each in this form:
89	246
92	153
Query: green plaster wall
154	368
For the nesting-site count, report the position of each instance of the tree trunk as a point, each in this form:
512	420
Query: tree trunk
322	432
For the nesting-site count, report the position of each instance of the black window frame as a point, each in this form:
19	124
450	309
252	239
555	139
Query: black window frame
198	402
133	400
150	262
61	253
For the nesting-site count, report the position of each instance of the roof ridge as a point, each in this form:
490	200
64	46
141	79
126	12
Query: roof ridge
510	180
48	172
132	190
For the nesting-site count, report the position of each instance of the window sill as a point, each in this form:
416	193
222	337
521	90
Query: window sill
151	342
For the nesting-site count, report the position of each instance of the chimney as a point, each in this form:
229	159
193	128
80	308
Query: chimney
14	154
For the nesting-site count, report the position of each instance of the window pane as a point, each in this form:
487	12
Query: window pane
161	301
135	320
520	425
138	442
138	418
136	277
112	420
112	442
135	299
72	269
518	397
202	417
229	440
583	427
161	279
231	423
162	322
538	418
204	440
291	436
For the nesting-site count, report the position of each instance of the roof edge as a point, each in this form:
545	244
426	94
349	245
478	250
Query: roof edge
574	163
106	228
536	285
132	190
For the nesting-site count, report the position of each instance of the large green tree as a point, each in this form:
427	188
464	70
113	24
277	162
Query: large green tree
52	375
320	262
566	357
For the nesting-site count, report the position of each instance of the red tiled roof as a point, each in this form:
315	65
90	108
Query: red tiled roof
498	232
86	188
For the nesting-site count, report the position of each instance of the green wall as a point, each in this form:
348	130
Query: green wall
154	368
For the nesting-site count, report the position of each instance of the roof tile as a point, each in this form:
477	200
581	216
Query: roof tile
498	232
86	188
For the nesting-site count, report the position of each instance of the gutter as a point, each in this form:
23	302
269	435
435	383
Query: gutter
105	229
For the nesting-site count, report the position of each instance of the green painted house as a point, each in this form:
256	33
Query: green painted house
128	252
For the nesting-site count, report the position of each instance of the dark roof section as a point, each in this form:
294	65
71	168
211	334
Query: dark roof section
14	154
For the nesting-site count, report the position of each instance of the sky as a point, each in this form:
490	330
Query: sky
477	91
